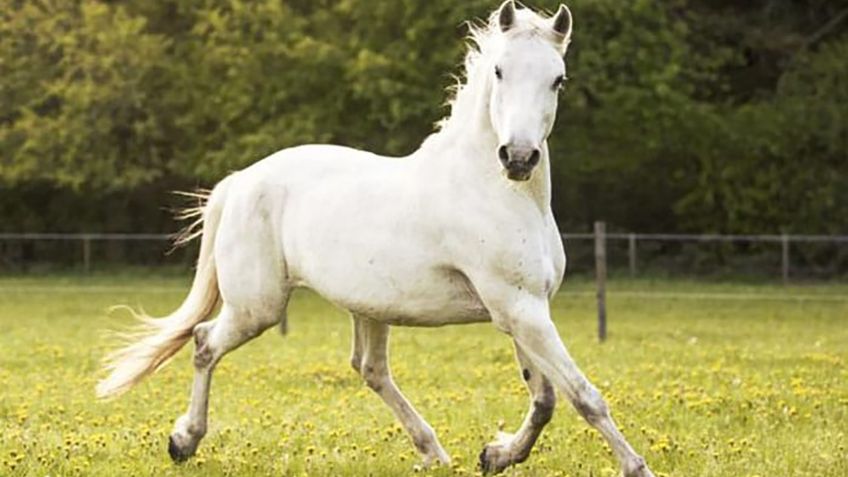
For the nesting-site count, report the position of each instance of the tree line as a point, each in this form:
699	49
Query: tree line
680	115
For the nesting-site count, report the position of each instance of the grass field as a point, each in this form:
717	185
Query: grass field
705	379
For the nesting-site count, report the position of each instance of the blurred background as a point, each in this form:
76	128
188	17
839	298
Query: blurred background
680	117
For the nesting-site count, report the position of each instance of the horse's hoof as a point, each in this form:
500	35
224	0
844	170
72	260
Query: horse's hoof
178	454
485	466
491	461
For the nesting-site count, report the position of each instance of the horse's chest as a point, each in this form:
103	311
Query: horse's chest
533	269
505	237
525	255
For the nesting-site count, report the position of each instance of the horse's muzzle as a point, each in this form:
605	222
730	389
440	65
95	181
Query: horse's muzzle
519	172
518	161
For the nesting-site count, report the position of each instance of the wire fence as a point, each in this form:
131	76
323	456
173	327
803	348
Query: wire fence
783	256
814	255
27	251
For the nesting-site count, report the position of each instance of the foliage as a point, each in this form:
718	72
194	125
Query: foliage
79	88
683	115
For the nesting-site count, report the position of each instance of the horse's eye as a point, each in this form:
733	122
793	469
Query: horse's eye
498	72
559	81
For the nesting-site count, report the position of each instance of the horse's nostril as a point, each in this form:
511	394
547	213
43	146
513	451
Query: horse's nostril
534	157
503	154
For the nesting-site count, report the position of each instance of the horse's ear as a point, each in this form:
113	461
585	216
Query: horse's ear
506	15
562	24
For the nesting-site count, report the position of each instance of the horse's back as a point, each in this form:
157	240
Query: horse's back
311	162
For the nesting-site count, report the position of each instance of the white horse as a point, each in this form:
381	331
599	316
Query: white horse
460	231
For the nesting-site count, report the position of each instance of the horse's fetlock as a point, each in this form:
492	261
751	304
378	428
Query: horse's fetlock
635	467
197	431
424	440
522	454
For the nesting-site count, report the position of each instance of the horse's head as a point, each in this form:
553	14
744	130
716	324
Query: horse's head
527	70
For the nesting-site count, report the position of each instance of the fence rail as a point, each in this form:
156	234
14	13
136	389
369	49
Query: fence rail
711	237
632	239
83	236
86	239
784	239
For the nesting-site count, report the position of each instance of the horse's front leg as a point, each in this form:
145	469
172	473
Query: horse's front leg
510	449
526	317
371	338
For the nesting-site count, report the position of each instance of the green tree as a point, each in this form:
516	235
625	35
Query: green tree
682	115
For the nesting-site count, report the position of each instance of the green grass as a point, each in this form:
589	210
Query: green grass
705	380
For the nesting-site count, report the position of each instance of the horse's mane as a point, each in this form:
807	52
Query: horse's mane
480	42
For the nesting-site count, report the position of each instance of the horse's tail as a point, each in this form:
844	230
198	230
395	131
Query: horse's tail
154	341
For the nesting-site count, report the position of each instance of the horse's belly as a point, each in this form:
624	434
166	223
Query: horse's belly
387	277
426	298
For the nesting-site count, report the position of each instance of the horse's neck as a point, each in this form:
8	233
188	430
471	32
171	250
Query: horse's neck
467	145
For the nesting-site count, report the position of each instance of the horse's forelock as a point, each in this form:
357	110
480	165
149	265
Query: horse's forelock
480	39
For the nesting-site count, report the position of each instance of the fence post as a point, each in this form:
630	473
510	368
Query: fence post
86	253
601	278
784	242
631	253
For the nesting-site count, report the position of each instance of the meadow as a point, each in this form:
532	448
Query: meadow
705	379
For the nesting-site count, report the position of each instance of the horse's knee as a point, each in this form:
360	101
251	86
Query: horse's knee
374	377
591	405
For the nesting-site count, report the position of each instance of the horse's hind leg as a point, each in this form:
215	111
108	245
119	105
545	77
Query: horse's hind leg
213	340
511	449
357	345
374	368
251	279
